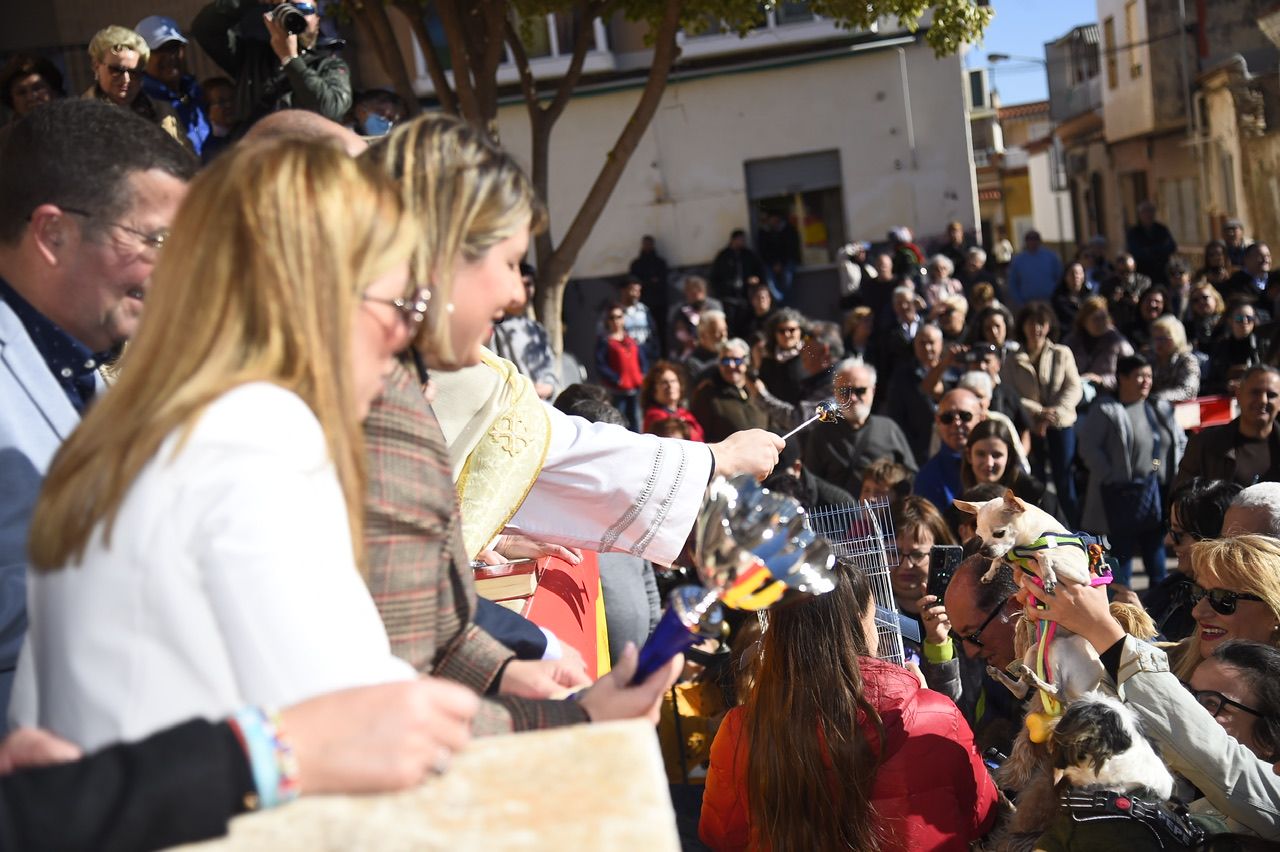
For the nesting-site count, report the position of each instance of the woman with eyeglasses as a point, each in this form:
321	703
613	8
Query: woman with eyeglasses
917	526
1240	687
118	57
987	456
1175	370
1237	597
198	543
1237	349
662	397
1045	379
834	749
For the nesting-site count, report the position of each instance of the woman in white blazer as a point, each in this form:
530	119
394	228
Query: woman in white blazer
193	545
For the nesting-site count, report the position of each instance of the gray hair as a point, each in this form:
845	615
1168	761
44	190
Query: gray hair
978	254
712	314
1265	497
854	361
733	343
977	382
904	290
941	261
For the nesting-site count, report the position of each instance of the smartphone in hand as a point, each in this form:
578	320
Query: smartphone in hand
943	559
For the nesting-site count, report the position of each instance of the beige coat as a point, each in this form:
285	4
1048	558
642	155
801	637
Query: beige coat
1051	382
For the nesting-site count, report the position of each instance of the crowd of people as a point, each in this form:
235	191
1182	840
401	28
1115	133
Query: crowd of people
254	432
273	55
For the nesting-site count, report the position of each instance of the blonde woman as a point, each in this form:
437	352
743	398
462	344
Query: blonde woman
197	541
1175	368
1205	308
1237	594
473	211
118	56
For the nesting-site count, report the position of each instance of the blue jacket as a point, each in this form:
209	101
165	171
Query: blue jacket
188	104
36	416
939	480
1033	276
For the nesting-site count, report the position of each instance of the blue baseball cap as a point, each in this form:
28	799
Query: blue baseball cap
158	29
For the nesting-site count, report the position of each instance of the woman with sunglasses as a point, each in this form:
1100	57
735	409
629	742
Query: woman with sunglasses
1237	596
729	402
1045	379
1196	512
1205	309
834	749
198	542
118	57
1236	350
782	369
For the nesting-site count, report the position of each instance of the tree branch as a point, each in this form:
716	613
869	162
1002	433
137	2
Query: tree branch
528	86
435	68
581	41
389	53
455	33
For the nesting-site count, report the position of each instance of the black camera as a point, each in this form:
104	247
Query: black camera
289	17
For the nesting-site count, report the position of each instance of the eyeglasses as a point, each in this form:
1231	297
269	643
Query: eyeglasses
1244	318
304	8
915	557
1214	701
946	418
1203	297
844	393
413	311
974	636
732	362
789	329
1223	601
120	71
154	241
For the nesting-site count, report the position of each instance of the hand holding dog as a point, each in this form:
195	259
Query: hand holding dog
1081	609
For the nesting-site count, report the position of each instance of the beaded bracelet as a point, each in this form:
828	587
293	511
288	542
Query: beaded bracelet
271	758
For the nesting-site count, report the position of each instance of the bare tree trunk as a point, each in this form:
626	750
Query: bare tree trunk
452	18
439	80
374	16
553	272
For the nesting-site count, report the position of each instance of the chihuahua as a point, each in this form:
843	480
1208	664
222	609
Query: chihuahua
1008	522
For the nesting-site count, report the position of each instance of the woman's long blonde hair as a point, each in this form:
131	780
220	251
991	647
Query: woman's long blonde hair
1242	563
259	281
464	195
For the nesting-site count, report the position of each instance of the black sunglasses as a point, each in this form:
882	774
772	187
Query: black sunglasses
946	418
974	636
845	393
1223	601
1214	701
1177	536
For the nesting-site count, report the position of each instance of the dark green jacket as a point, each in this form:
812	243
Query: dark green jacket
317	80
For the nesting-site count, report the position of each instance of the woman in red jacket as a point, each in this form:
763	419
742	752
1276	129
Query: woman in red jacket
837	750
621	364
662	396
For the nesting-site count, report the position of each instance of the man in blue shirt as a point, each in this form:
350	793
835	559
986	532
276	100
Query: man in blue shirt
939	481
1034	273
167	78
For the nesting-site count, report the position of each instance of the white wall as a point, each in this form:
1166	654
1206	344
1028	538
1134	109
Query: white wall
1129	108
686	183
1052	209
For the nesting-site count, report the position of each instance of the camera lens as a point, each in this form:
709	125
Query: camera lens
288	17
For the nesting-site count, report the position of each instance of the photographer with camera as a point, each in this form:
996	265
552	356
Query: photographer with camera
278	56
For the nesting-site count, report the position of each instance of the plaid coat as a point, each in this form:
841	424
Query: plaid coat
418	572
